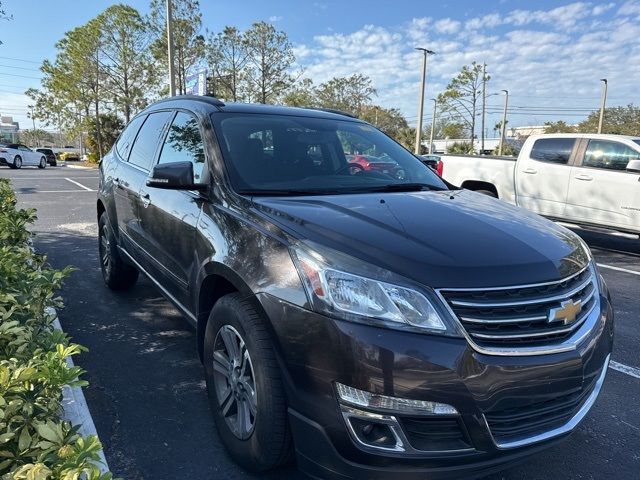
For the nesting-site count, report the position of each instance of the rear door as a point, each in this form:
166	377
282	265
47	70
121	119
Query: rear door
601	190
542	175
29	157
132	174
168	218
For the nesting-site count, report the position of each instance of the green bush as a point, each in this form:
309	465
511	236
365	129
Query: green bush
464	148
35	443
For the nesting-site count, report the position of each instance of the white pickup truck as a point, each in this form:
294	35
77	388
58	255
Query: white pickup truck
585	179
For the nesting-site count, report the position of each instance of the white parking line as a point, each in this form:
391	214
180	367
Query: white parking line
619	269
79	184
634	372
56	191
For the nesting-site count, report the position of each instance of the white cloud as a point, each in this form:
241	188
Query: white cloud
275	18
551	58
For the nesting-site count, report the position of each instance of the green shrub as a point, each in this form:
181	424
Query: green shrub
460	147
35	443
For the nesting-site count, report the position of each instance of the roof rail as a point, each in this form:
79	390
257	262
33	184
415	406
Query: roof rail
333	110
200	98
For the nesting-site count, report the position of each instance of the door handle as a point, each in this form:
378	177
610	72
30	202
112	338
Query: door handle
116	182
584	177
146	199
530	171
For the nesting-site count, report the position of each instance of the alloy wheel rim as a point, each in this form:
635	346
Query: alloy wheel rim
235	382
105	257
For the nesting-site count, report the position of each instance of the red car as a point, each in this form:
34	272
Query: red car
369	163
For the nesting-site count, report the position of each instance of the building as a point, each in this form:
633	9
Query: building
8	129
524	132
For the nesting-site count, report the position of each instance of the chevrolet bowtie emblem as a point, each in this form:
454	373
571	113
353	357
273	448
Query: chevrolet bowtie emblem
566	313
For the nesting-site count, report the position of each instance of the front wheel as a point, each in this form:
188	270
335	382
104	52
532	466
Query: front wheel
117	275
43	163
17	162
245	387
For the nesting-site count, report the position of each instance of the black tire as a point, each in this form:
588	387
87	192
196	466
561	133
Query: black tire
268	444
117	274
17	162
488	193
43	163
54	164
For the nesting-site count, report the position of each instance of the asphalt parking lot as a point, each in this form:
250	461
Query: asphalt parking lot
147	392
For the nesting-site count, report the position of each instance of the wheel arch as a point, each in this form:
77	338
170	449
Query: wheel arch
480	185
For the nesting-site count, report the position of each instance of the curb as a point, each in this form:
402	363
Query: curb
76	410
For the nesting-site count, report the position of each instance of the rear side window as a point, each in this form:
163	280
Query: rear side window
123	145
609	155
184	144
144	148
553	150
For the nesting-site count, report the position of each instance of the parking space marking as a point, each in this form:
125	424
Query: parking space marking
79	184
619	367
619	269
57	191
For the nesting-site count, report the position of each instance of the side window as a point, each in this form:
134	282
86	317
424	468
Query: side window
184	144
144	148
553	150
609	155
24	148
123	145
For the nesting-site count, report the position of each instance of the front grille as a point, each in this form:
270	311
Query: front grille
515	317
510	424
435	434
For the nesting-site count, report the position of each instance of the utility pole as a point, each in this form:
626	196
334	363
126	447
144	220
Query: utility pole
433	124
504	121
484	102
425	53
604	100
33	119
172	77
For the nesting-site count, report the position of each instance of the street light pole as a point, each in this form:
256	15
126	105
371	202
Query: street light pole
504	121
484	103
604	100
425	53
172	77
33	119
433	123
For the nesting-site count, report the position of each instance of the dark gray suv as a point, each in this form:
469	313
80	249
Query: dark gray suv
370	325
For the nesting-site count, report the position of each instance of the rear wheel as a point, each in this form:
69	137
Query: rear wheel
17	162
245	387
43	163
115	272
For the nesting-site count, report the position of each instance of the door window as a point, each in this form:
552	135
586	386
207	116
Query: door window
608	155
24	148
144	148
553	150
123	145
184	144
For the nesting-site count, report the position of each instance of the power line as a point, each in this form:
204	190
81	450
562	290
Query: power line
21	68
20	60
21	76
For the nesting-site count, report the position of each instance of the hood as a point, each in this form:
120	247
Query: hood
441	239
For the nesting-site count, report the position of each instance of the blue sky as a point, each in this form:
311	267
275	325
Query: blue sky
550	55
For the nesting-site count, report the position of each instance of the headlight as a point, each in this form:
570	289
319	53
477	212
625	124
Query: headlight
345	295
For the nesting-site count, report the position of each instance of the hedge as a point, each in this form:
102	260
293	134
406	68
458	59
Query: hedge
35	442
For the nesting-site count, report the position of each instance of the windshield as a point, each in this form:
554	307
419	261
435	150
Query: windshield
277	154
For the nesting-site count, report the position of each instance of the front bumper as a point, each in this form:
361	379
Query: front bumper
316	352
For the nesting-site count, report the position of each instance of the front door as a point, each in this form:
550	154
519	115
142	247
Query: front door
169	218
542	175
601	190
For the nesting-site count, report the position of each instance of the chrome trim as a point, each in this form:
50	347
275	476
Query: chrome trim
567	427
567	345
505	321
402	446
554	298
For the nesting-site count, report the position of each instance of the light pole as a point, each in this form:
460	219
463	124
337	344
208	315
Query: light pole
433	123
425	53
33	119
484	103
604	100
172	77
504	120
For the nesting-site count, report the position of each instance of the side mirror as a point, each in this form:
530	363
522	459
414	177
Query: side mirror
174	176
633	166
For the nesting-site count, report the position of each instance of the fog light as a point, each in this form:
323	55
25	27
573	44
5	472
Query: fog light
360	398
374	431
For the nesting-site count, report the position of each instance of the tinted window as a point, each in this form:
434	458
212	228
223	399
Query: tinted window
184	144
144	148
290	154
554	150
609	155
123	145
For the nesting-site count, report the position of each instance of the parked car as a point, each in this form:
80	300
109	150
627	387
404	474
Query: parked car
16	155
70	156
430	161
371	163
586	179
378	327
51	157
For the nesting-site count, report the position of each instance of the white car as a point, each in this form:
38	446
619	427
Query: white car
16	155
585	179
